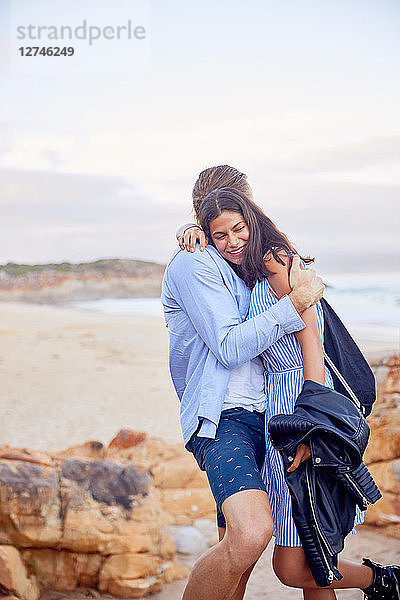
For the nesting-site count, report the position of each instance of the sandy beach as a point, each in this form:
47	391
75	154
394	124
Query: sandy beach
264	585
68	376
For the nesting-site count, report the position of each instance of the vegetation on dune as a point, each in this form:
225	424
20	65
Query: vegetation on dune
105	266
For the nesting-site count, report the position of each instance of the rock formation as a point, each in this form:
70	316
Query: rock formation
96	516
383	452
83	517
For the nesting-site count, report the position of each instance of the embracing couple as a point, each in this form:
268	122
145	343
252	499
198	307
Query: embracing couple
245	331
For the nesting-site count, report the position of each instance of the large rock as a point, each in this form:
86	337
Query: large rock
130	575
383	452
387	475
183	507
108	508
14	577
126	438
173	571
26	455
134	588
107	482
93	450
180	472
93	528
128	566
385	438
384	512
149	453
84	522
62	570
391	384
30	504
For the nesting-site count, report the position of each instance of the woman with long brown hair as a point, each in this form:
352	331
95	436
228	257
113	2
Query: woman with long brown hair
261	255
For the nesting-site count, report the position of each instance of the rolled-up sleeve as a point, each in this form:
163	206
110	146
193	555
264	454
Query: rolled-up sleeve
213	310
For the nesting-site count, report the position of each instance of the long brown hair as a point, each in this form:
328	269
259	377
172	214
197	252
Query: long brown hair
264	236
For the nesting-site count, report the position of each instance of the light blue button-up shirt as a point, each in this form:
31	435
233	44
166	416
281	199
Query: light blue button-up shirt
205	307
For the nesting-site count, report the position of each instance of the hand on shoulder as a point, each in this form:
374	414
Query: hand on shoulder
307	286
190	236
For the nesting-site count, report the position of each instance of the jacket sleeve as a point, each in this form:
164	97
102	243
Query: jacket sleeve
213	310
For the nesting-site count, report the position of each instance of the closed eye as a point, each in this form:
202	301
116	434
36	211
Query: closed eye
219	235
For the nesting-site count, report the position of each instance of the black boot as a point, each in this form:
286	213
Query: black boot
386	583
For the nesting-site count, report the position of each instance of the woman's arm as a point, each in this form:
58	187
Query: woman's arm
313	366
312	347
308	338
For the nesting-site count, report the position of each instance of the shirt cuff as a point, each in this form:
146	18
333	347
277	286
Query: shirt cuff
287	315
208	429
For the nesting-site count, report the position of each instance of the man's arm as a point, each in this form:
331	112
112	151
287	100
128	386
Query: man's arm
214	312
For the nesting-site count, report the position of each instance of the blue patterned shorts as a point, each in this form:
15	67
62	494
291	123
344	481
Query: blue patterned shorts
233	460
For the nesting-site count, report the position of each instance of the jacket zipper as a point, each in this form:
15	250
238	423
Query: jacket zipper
330	572
355	486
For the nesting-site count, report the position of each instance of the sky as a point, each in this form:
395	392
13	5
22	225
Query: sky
99	151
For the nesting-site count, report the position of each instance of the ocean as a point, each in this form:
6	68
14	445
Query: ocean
364	301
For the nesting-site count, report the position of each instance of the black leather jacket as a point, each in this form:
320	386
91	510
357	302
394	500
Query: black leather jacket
326	488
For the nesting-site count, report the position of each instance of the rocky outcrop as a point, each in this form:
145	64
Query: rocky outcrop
97	516
14	578
383	452
184	492
64	282
84	517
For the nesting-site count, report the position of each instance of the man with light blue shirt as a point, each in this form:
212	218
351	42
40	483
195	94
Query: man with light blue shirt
213	360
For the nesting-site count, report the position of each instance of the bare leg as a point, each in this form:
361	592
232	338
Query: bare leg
241	588
218	573
291	567
319	594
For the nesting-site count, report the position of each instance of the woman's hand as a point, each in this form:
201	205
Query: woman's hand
187	241
303	452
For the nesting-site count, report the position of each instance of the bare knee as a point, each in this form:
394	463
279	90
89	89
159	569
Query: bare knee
247	542
291	568
249	528
289	578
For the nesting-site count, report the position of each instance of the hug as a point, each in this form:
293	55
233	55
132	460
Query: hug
273	397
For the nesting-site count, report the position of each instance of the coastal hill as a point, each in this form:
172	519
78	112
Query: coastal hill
65	282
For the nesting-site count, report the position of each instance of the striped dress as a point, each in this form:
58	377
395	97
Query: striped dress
284	368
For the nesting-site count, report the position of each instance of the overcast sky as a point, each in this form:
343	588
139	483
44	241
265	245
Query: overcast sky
98	155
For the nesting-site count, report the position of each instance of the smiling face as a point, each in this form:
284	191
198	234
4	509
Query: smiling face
230	235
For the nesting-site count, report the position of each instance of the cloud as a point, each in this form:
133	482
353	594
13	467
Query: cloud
368	152
5	137
347	226
55	216
51	216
